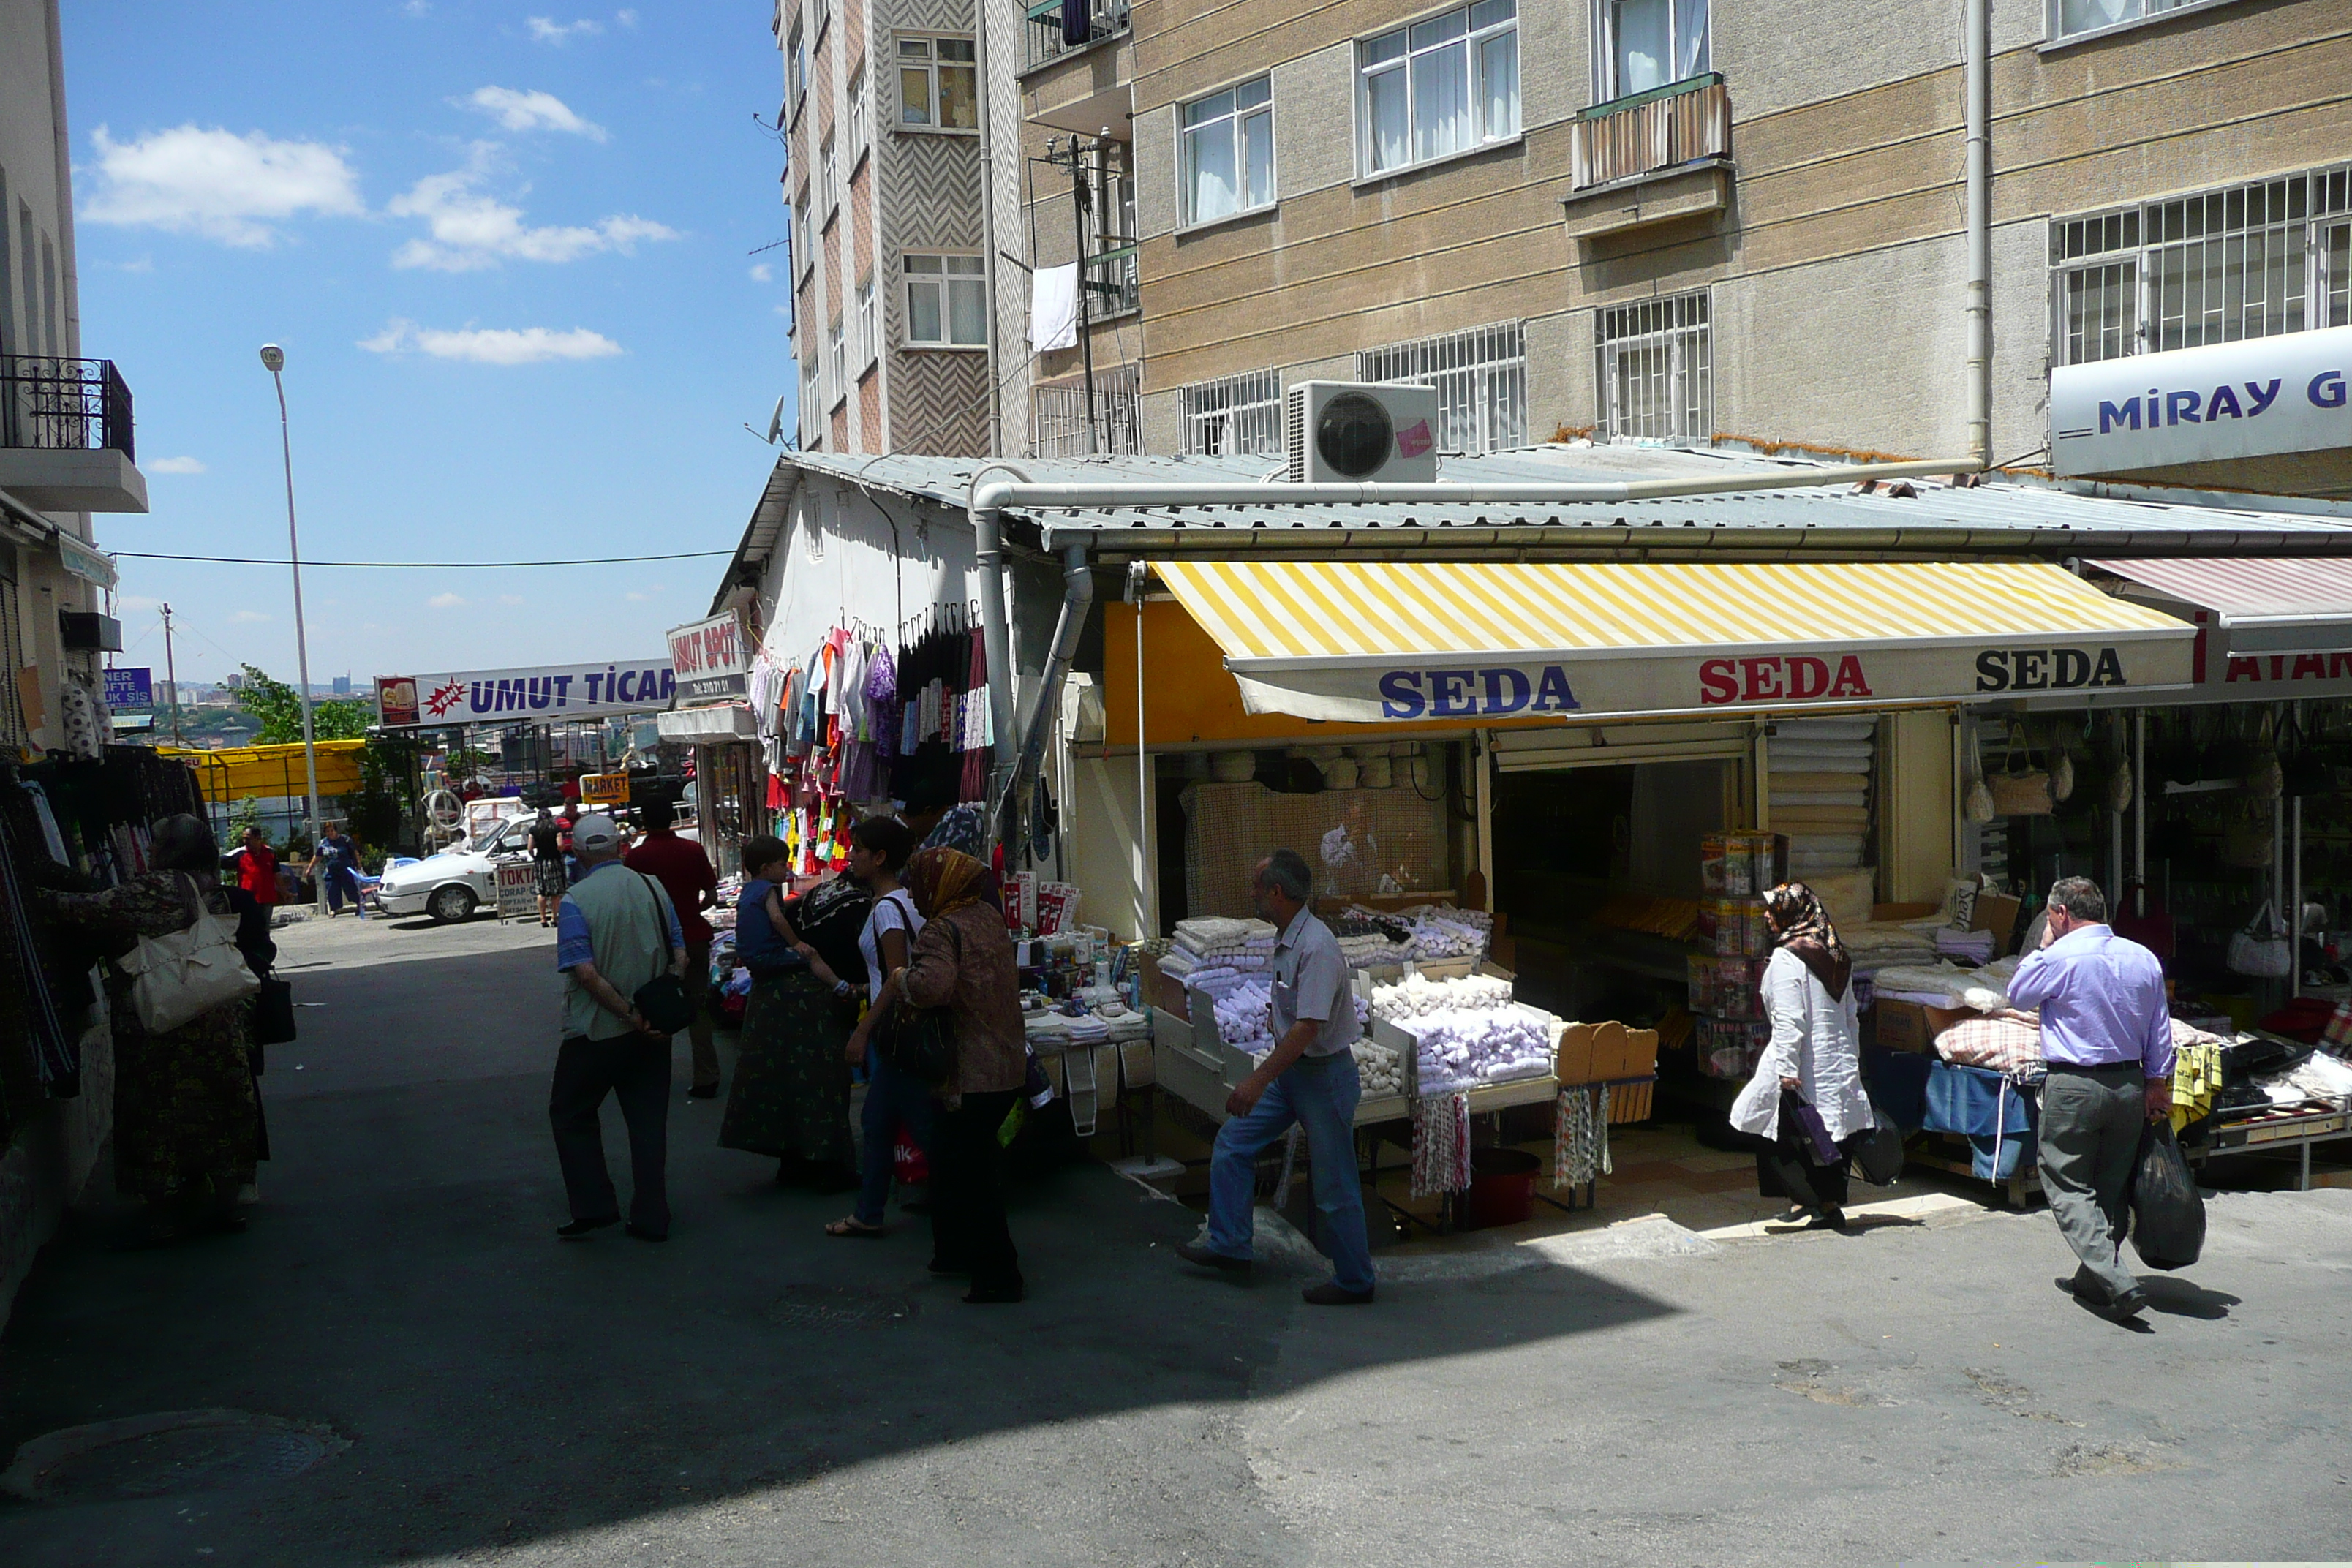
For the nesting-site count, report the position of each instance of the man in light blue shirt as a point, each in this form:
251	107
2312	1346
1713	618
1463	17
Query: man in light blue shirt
2106	1038
614	931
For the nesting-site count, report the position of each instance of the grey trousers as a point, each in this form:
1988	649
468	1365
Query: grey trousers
2092	1119
698	996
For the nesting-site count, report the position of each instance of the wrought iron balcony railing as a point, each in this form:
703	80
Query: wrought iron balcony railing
1048	40
64	405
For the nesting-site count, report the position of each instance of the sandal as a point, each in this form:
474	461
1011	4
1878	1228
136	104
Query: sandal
850	1228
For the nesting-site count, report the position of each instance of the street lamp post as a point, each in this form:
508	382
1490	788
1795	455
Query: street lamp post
273	358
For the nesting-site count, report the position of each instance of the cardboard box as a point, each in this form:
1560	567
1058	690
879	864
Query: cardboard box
1909	1026
1998	915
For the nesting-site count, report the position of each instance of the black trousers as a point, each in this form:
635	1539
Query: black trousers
1786	1167
968	1228
635	1071
253	938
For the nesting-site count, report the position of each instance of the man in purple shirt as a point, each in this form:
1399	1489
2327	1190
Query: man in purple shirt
2106	1038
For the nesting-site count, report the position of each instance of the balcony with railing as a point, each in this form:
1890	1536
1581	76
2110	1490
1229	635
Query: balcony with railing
1112	284
1048	37
1655	157
66	435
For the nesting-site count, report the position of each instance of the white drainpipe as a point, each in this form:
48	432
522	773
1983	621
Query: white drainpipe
1977	89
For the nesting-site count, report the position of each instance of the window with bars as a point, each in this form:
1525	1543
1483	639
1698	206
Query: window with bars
2248	262
1481	377
1059	428
1234	415
1655	370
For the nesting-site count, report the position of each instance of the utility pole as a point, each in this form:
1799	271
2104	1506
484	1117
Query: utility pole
273	360
171	676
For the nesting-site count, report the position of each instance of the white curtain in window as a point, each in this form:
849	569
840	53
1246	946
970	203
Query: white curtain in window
1441	97
966	314
2081	16
1690	39
1390	132
1498	81
1643	32
1257	139
1214	187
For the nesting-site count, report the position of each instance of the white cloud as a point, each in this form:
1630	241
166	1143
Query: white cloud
417	10
248	616
446	602
471	230
626	17
510	598
132	603
223	186
519	109
173	465
144	264
548	30
763	273
650	592
491	345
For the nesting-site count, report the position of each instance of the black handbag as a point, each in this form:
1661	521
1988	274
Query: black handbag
1878	1155
661	1001
919	1043
273	1013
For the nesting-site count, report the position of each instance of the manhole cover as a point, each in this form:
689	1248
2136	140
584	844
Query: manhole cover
839	1306
161	1455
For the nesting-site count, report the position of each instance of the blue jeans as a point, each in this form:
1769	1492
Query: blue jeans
1319	1093
890	1098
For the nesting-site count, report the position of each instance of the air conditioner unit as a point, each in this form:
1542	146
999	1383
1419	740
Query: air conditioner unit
1346	432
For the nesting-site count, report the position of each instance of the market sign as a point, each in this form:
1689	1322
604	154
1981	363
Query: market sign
130	688
713	658
1462	643
2256	397
541	694
604	789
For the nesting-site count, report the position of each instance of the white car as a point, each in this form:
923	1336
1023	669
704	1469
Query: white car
452	885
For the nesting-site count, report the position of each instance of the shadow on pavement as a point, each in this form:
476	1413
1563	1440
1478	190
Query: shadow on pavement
2179	1299
401	1284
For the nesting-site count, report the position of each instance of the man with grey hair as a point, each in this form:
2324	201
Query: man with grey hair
1309	1079
2106	1038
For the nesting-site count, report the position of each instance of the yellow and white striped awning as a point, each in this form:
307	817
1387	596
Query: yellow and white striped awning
1357	641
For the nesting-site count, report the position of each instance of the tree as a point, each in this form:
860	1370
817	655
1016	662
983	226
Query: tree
279	707
376	808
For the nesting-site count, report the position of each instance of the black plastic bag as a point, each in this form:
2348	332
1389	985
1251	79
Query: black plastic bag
2168	1213
273	1013
1877	1155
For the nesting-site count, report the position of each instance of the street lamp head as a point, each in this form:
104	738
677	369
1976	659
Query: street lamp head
273	358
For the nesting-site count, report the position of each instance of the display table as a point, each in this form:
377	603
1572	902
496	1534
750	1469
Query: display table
1201	1081
2295	1127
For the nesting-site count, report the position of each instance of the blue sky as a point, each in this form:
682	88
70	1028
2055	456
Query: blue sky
505	245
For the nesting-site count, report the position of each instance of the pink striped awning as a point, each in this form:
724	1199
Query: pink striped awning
2266	606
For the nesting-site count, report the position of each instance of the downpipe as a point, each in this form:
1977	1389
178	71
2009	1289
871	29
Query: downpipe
1077	602
1977	90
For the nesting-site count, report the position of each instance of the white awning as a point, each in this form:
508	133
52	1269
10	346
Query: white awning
720	721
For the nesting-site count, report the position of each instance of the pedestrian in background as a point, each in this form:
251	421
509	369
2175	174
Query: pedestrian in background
615	931
254	899
338	860
878	850
1806	1100
686	872
1309	1079
963	960
2106	1039
548	874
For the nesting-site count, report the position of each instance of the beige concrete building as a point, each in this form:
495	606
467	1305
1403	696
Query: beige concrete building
1687	221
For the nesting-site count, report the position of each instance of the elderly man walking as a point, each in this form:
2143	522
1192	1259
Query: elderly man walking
2106	1038
614	931
1309	1077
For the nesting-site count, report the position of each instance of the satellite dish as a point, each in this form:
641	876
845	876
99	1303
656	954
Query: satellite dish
776	421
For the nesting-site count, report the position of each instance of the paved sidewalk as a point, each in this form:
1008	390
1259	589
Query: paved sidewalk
754	1392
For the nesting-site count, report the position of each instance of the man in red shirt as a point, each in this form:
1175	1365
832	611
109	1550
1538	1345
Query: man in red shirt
685	872
257	882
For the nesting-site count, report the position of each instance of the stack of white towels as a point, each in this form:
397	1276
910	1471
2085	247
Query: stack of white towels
1211	942
1820	775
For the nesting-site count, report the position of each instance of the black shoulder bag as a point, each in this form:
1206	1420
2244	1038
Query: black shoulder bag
919	1042
661	1001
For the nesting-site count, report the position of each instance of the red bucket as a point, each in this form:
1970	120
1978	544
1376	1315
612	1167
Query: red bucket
1502	1188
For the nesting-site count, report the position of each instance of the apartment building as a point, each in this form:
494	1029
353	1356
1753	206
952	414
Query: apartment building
883	181
67	448
1684	220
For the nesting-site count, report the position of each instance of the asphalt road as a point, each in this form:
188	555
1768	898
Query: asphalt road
754	1392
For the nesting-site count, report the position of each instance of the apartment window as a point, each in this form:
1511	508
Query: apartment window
838	343
945	308
869	336
795	71
1655	370
2069	17
1439	86
938	83
829	177
1059	429
1234	415
812	400
1481	377
855	108
1228	151
804	256
2247	261
1642	44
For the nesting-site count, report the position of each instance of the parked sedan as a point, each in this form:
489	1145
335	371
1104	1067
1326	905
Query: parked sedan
452	885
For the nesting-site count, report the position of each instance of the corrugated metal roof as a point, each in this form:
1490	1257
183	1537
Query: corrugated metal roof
1920	518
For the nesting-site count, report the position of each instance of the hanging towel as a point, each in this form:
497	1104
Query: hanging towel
1053	306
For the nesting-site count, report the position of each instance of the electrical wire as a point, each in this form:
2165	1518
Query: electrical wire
428	566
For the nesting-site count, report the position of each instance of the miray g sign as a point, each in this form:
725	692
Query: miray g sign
2257	397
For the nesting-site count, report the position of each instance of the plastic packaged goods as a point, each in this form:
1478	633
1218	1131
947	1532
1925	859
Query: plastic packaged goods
1377	1067
1418	996
1460	1049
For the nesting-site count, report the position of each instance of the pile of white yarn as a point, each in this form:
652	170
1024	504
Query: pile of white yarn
1380	1072
1416	996
1462	1050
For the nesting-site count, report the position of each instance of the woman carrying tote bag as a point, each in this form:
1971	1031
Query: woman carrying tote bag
187	1118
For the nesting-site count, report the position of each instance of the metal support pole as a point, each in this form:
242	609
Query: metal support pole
301	638
172	676
1079	202
1977	25
2294	863
2139	812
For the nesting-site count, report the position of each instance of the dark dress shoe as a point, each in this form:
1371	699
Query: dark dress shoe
947	1266
1329	1294
994	1295
580	1227
703	1091
641	1234
1205	1258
